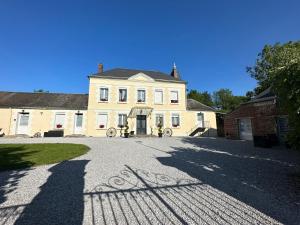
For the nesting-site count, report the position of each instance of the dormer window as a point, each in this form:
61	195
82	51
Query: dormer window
174	96
122	95
103	94
141	96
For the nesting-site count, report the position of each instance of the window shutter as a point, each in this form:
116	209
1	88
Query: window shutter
106	93
102	120
59	120
174	95
158	97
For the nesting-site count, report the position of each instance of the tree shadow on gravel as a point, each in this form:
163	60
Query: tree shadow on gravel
60	200
11	160
257	177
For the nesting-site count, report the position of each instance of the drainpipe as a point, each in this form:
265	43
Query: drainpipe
9	121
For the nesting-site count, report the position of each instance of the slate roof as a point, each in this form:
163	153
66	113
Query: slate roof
266	95
193	105
120	73
64	101
43	100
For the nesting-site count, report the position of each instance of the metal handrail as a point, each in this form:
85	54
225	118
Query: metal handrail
206	125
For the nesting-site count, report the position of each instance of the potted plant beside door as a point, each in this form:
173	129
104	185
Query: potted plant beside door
160	132
126	133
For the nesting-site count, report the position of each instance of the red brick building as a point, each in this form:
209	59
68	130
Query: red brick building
259	119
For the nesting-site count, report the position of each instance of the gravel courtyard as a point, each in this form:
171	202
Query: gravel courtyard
156	181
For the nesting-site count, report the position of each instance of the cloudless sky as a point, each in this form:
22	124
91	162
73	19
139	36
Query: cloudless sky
55	44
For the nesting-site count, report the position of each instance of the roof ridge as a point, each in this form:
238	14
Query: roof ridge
57	93
120	68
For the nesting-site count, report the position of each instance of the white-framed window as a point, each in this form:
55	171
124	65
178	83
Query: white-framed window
174	96
175	120
102	120
79	120
200	119
122	95
159	118
122	120
158	96
141	95
24	119
103	94
59	121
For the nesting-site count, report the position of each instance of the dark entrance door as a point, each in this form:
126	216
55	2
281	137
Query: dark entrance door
141	124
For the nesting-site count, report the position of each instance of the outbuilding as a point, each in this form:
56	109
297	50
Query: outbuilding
258	120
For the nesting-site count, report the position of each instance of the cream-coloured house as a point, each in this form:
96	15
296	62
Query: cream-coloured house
142	98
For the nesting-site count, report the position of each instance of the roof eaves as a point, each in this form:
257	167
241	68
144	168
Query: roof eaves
42	107
125	78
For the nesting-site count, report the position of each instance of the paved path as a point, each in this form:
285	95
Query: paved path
156	181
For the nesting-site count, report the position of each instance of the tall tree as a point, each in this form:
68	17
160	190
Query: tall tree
278	67
226	101
286	85
270	60
203	97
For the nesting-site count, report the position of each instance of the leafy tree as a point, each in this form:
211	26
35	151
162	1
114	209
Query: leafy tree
286	85
203	97
272	59
278	67
225	101
249	95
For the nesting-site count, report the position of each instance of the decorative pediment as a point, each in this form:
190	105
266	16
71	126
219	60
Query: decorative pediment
141	77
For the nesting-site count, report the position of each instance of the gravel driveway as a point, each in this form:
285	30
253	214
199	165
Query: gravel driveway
156	181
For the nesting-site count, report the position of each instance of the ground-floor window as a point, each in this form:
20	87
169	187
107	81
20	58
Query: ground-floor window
102	120
24	118
159	118
79	120
200	119
175	120
23	123
122	120
59	122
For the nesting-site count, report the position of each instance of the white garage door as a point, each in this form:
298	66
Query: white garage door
245	129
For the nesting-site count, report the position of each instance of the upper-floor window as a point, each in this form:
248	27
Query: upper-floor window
159	119
158	97
174	97
103	94
122	120
141	96
175	120
122	95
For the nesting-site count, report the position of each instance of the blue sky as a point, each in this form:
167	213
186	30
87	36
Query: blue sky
54	44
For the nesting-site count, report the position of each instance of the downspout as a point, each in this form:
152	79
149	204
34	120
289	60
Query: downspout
10	121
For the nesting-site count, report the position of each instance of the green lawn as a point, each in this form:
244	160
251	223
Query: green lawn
15	156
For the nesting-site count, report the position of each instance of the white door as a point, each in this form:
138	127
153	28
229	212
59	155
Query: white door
200	119
22	123
78	121
245	129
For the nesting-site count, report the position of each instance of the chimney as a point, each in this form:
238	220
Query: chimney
100	68
174	72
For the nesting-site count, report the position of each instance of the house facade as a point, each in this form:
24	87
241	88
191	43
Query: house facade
141	98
